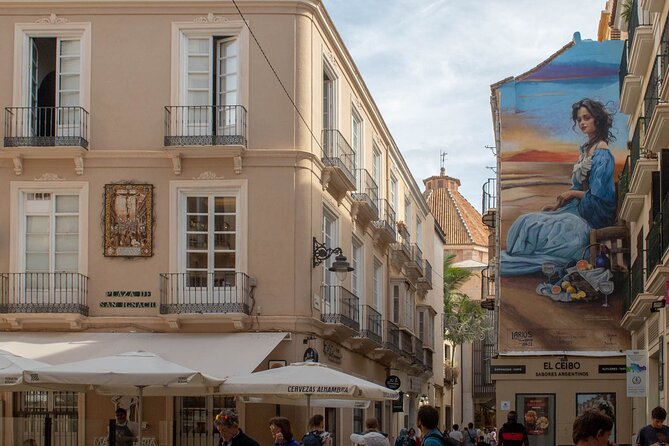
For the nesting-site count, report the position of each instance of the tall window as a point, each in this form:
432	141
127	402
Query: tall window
330	240
410	310
193	415
358	272
378	286
210	239
419	232
32	408
211	76
396	302
51	232
394	197
329	98
356	137
358	418
407	213
376	168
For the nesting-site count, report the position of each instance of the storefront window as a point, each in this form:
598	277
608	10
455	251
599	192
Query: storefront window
538	411
605	402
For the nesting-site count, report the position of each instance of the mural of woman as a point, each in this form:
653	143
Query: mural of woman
560	232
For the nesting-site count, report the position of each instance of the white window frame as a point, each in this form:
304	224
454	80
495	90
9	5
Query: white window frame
357	141
377	168
419	232
180	33
378	286
180	189
23	32
358	274
334	115
17	222
407	213
394	194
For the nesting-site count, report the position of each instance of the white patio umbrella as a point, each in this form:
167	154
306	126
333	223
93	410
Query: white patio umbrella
133	373
12	367
306	381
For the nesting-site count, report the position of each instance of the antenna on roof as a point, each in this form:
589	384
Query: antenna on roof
442	155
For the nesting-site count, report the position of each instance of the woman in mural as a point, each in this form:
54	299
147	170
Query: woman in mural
560	232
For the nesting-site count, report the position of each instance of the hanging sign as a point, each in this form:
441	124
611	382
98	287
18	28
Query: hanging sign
310	355
636	371
393	382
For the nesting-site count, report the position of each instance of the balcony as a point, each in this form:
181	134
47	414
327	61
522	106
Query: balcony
54	293
488	282
656	107
200	293
657	242
371	331
365	198
639	39
340	310
418	356
339	164
400	252
425	282
630	85
391	342
385	227
414	267
639	301
200	131
489	214
652	5
406	345
46	133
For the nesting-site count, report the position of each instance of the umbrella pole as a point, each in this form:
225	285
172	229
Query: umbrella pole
308	410
140	417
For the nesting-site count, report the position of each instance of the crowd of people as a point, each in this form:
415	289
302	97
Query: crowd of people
592	428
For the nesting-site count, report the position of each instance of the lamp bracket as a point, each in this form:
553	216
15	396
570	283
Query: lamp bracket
322	252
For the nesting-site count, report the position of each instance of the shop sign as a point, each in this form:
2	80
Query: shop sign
414	384
127	305
310	355
332	351
393	382
611	368
636	367
507	369
126	293
398	404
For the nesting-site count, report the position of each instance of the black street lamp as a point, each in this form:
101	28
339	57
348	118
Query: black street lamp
340	266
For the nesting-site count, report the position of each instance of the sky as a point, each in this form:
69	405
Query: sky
429	65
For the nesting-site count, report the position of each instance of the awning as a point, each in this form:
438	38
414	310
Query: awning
216	354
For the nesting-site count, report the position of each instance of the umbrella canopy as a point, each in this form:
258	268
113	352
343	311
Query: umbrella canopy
132	373
306	379
12	367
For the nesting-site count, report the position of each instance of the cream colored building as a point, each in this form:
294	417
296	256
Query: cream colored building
162	192
643	192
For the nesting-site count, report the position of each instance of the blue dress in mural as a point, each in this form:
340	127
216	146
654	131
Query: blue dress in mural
560	236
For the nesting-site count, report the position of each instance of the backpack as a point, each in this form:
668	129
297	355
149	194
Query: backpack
312	439
445	439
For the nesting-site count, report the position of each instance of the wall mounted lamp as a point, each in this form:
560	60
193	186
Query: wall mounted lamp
340	266
657	305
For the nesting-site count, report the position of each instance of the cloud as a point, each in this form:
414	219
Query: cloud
429	65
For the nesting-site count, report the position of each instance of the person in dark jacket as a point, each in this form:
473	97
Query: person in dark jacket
227	423
512	432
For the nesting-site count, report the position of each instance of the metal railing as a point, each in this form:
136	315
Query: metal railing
43	293
636	277
654	243
637	144
664	49
488	281
623	68
652	95
428	361
418	355
386	218
664	212
372	324
417	257
489	195
337	152
406	344
202	292
427	274
366	189
340	306
623	183
205	125
638	17
46	126
391	340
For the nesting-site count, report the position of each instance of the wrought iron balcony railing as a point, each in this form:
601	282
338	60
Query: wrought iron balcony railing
488	281
372	326
664	49
654	243
637	143
418	354
623	68
406	344
428	359
46	127
652	95
638	17
44	293
340	306
205	125
386	219
366	189
623	183
417	257
337	152
203	292
636	277
425	282
391	340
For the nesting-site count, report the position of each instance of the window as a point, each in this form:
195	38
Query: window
31	409
376	168
193	415
329	97
396	303
410	310
52	83
356	137
210	232
419	232
378	286
331	424
209	83
407	213
358	272
394	197
358	418
330	239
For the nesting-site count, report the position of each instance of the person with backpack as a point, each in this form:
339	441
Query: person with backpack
455	434
512	432
470	435
427	421
317	435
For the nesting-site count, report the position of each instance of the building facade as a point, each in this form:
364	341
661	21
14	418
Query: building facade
642	190
174	176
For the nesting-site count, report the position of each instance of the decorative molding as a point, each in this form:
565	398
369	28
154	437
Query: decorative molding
79	165
356	103
237	164
208	175
18	165
211	18
48	176
176	164
52	20
379	142
330	57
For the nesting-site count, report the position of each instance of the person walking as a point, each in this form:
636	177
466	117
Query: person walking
656	431
455	434
227	424
282	432
592	428
427	421
470	435
512	432
372	436
317	435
